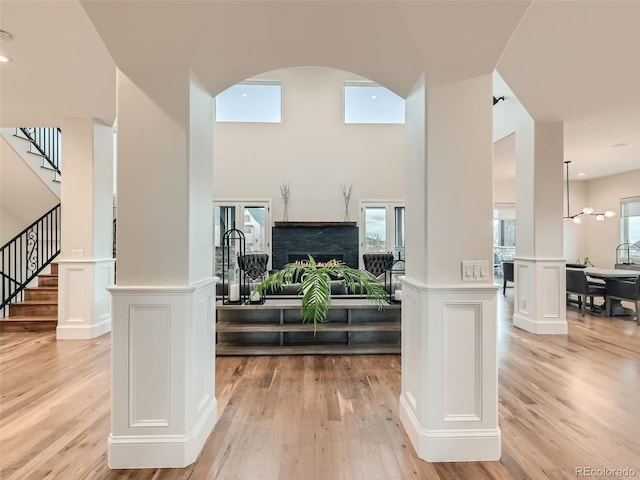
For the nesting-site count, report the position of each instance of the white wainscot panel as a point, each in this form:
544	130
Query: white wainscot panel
149	365
411	348
462	362
103	298
202	333
550	289
76	297
523	275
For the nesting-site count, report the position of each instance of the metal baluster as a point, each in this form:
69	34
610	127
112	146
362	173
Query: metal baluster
45	234
16	260
4	281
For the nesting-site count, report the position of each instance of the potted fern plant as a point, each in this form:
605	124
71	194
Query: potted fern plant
315	285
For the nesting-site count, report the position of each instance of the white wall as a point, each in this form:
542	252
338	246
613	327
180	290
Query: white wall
312	149
23	196
596	240
604	193
575	239
504	191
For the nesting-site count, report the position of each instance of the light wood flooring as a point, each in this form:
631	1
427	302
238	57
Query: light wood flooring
564	402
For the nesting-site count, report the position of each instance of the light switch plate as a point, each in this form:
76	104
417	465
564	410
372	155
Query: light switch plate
475	270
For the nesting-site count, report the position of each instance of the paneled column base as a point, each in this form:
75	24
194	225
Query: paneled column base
539	304
162	451
84	306
449	399
458	445
163	380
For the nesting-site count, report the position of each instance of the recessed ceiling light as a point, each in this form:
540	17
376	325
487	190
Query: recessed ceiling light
581	174
4	59
373	97
244	94
619	145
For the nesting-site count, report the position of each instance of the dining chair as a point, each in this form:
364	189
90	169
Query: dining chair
577	284
507	273
621	289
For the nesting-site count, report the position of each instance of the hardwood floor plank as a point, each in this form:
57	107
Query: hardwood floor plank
565	401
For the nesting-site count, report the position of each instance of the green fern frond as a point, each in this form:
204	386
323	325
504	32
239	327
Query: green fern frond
315	286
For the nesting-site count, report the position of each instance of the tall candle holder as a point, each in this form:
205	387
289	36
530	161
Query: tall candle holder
392	282
234	289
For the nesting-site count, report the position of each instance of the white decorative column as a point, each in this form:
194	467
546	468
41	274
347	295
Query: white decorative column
85	265
163	381
539	267
449	400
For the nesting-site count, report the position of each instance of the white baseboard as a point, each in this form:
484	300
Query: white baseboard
83	332
470	445
552	327
162	451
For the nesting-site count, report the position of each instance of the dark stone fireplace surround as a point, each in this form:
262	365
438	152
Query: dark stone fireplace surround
324	241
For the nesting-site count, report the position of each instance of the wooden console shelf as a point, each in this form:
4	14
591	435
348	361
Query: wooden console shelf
353	326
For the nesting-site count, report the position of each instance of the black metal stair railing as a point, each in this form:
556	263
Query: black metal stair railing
46	142
27	254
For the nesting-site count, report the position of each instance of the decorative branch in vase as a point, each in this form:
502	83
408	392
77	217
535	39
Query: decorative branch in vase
346	193
284	191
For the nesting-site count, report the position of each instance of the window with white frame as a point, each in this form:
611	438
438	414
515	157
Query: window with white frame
253	218
630	226
372	103
257	102
504	235
382	227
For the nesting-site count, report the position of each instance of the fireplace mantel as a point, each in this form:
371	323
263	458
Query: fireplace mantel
315	224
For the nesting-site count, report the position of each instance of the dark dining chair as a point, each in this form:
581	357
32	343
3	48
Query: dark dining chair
621	289
577	284
507	273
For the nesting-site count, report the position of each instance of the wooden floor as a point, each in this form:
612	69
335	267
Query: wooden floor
565	402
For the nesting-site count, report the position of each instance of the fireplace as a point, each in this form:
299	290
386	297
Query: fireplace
324	241
318	257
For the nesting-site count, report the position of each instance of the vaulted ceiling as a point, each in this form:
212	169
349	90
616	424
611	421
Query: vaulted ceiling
568	61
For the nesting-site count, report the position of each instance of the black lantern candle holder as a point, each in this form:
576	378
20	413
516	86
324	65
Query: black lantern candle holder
392	283
234	288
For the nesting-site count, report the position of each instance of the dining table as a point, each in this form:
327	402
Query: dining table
608	274
604	273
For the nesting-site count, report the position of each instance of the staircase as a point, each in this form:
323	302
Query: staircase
27	255
38	312
43	158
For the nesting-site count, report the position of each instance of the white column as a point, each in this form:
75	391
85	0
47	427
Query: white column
449	400
163	381
539	266
85	265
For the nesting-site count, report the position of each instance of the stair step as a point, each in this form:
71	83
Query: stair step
54	268
36	153
47	280
33	308
27	323
47	166
41	293
21	136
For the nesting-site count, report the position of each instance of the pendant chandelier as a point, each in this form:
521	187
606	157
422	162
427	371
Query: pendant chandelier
600	217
